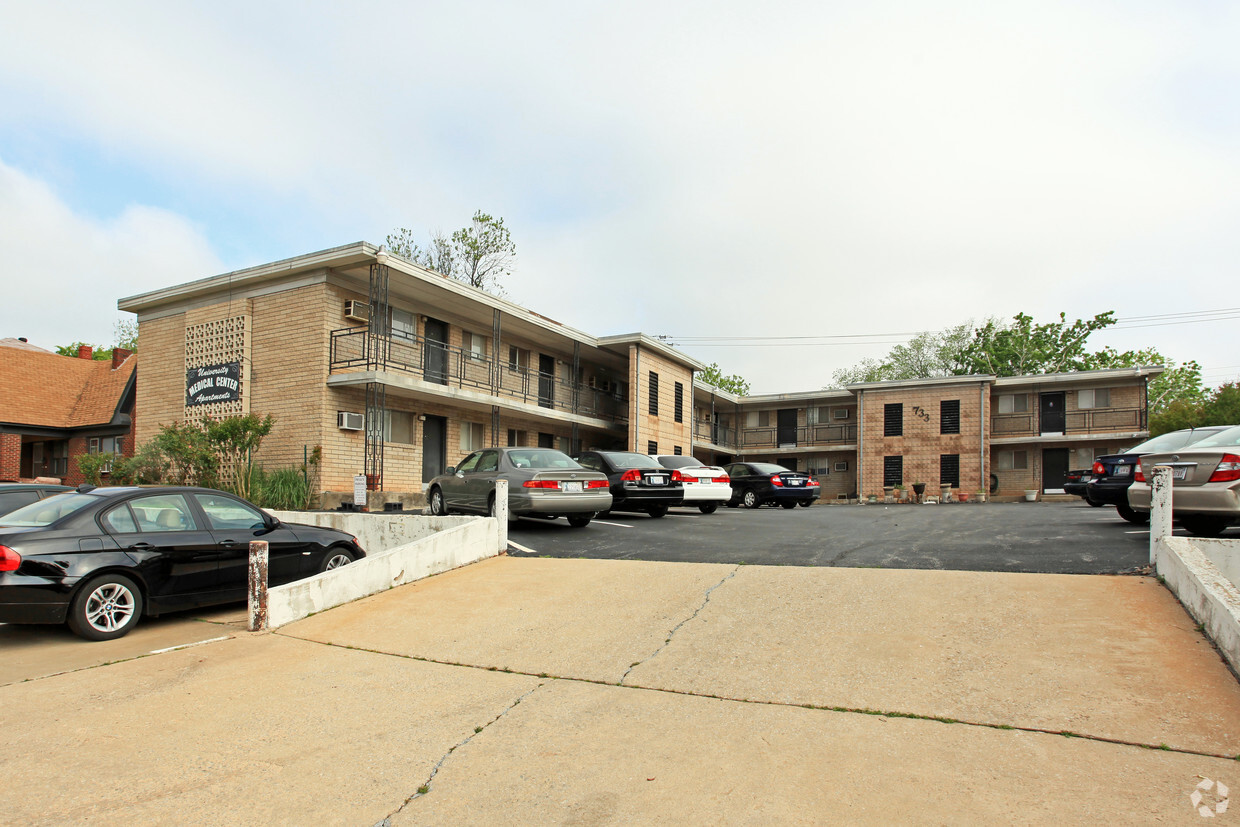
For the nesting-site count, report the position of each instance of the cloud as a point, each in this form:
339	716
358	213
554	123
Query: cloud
64	271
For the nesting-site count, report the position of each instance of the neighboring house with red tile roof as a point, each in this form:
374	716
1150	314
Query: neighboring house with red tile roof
54	408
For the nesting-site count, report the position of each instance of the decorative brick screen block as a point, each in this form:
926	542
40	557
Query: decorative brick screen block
217	343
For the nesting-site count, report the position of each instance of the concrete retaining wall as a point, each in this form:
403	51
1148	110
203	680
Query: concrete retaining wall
399	549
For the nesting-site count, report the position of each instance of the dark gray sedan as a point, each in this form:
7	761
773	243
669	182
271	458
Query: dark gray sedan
542	482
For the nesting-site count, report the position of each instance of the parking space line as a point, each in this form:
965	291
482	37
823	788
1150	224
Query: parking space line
520	547
617	525
188	645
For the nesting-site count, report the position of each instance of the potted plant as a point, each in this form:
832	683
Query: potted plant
919	490
889	493
979	497
945	493
901	494
963	496
1031	495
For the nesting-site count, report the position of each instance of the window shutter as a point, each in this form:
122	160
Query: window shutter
680	402
949	416
893	419
949	470
654	393
893	471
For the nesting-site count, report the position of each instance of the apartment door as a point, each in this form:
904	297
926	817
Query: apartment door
1054	469
786	427
434	446
1053	418
546	380
435	352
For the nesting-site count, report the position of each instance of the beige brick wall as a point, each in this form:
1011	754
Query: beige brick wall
663	428
921	444
160	391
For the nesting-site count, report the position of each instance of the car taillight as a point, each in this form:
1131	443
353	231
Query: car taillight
1228	469
9	560
596	483
1137	476
677	476
775	480
541	484
813	483
724	478
631	475
1099	469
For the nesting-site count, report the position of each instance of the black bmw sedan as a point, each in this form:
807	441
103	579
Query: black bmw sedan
101	558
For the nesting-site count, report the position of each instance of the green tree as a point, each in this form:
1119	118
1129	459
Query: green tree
234	440
126	332
480	254
100	353
1024	347
733	383
927	355
1219	407
1177	383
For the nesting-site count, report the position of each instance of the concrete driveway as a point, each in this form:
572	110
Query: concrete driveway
608	692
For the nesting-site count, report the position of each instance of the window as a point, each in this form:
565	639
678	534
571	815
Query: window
225	513
163	512
842	465
1094	398
489	461
60	458
1013	403
398	427
516	439
820	416
893	419
680	402
13	500
472	437
404	324
654	394
518	359
469	463
949	470
652	448
893	471
1012	460
678	451
949	416
841	413
474	345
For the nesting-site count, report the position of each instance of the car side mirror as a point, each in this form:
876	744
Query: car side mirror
450	470
270	522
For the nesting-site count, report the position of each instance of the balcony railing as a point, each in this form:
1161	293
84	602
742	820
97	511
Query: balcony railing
804	436
354	349
1093	420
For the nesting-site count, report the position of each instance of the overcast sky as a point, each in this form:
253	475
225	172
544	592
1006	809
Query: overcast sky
687	169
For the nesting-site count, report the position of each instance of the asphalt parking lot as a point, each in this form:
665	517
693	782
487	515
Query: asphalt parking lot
1064	538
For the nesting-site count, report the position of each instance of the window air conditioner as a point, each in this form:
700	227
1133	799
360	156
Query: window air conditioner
349	421
358	311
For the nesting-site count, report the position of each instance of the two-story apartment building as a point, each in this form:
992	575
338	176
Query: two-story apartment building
1001	435
397	372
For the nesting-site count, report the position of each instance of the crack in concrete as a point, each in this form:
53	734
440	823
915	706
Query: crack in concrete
676	628
426	788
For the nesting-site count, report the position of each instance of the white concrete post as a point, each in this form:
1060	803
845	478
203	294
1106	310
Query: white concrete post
501	511
1160	508
258	585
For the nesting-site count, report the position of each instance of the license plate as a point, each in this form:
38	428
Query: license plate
796	482
1123	470
572	487
1179	473
657	480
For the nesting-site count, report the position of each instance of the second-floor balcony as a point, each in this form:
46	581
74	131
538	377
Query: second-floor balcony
356	349
1087	421
802	436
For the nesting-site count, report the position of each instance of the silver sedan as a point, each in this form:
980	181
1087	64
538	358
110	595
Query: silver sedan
542	482
1205	479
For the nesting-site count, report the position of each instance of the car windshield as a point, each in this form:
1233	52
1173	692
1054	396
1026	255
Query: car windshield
46	512
677	462
767	468
627	460
1223	439
541	458
1171	441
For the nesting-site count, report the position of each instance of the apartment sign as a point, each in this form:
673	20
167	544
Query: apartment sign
213	383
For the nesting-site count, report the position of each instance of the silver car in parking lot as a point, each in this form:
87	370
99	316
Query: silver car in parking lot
542	482
1205	483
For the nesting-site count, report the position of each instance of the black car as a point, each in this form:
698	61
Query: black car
638	482
1112	474
13	495
100	558
758	483
1077	483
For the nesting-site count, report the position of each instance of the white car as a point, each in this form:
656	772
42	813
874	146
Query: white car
705	486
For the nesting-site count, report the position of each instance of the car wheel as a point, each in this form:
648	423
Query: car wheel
512	518
657	511
439	508
580	520
106	608
806	503
1203	525
708	508
789	504
1136	517
750	499
336	557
